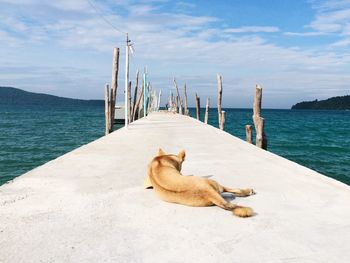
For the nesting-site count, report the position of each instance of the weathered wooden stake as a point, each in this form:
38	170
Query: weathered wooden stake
206	111
178	98
222	120
138	106
132	113
159	97
219	79
114	86
185	102
148	98
129	102
198	107
107	115
261	140
249	133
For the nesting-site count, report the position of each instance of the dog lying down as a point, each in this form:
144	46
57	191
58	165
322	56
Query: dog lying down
164	175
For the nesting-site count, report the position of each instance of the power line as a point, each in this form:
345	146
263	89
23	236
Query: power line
100	13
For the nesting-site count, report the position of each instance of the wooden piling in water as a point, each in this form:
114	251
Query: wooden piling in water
129	102
178	98
114	86
261	140
185	102
249	133
222	120
148	102
135	97
198	107
206	116
138	106
107	114
159	97
219	80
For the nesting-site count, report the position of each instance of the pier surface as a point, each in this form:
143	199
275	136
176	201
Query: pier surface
89	205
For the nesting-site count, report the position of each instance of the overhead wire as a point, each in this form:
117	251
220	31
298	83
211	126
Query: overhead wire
100	13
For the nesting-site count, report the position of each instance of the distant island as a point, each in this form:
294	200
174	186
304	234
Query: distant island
334	103
14	96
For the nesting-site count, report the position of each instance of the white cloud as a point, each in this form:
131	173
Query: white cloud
304	33
342	43
331	21
252	29
332	18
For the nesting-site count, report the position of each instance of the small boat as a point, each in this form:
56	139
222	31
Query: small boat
119	114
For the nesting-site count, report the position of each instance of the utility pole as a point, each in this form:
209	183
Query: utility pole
126	79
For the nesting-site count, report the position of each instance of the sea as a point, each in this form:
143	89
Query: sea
33	135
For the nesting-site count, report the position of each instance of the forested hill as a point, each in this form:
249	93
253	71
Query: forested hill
14	96
334	103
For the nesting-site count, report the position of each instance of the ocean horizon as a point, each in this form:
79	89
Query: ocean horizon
33	135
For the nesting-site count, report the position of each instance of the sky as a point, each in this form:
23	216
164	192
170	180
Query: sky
296	50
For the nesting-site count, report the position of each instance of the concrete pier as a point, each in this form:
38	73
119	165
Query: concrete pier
89	205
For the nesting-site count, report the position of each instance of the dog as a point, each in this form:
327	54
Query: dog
164	175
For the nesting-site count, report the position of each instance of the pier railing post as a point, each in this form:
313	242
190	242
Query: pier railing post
129	102
206	111
107	114
222	120
138	106
185	101
219	80
178	98
249	133
261	140
114	86
159	98
198	107
132	113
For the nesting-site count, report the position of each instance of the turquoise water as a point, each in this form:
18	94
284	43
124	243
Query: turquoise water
33	135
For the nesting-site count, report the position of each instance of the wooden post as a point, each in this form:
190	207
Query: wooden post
132	113
138	106
222	120
185	101
114	86
198	107
249	133
107	115
206	111
144	93
179	105
261	140
129	102
148	106
159	97
219	79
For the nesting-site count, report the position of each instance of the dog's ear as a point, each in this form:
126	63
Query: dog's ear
161	152
182	155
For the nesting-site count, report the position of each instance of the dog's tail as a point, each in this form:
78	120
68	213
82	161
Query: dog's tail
242	211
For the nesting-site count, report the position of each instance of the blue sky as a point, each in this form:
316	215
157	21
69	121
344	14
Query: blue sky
296	50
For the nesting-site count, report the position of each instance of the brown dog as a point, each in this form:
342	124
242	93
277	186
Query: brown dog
164	176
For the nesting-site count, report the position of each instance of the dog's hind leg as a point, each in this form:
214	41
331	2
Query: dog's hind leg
239	192
237	210
236	191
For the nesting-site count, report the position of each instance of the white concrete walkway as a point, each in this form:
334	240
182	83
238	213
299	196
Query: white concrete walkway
89	205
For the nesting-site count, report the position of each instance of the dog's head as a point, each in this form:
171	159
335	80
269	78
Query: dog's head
178	158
